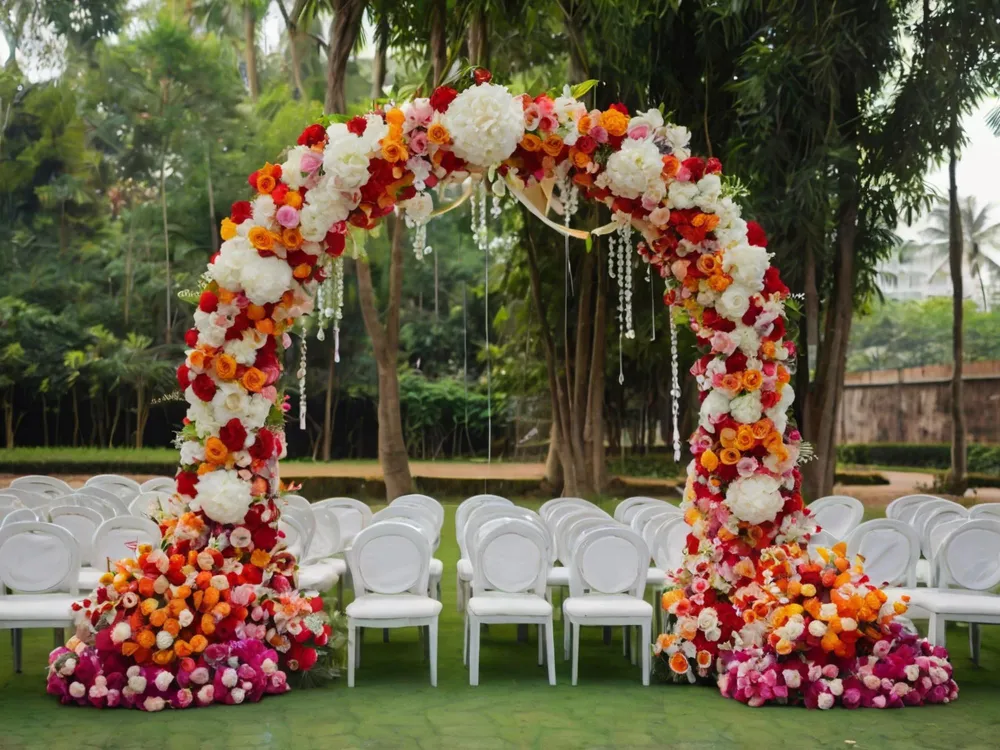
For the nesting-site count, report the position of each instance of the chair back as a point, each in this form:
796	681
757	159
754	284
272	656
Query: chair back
838	515
985	510
19	515
645	514
326	540
426	501
150	504
470	504
116	502
9	501
574	532
924	511
293	501
490	511
890	549
969	557
549	505
903	508
390	557
353	515
562	518
670	544
296	535
82	523
937	515
28	498
159	484
118	538
48	486
53	554
105	508
414	514
123	487
653	526
628	507
511	557
609	560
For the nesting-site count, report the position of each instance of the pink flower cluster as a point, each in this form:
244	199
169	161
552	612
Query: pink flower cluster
234	672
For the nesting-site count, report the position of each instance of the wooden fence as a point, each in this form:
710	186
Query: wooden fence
913	405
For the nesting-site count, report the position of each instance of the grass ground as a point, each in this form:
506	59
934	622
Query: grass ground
393	705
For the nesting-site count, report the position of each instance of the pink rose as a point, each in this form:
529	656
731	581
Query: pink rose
746	466
288	217
418	142
599	134
532	116
659	216
723	343
549	123
679	268
638	132
310	161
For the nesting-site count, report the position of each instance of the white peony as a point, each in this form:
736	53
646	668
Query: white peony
486	124
418	209
753	499
635	170
192	452
345	160
746	264
256	413
716	404
733	303
263	209
222	496
682	194
239	267
230	401
244	349
746	408
209	330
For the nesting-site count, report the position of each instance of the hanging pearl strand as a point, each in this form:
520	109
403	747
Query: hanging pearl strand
652	301
302	376
625	277
337	307
675	388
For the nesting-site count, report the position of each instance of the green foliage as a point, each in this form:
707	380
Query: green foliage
444	416
983	459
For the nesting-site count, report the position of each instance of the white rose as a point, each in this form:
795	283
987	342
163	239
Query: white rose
486	124
715	405
746	408
202	415
230	401
634	169
244	349
817	628
733	303
256	412
223	496
707	619
792	678
154	703
345	159
682	194
192	452
746	264
77	690
753	499
824	701
291	170
121	632
418	209
164	640
163	680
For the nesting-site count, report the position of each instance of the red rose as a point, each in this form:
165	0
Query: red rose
233	434
696	166
279	193
263	447
357	125
772	280
713	166
240	211
208	302
481	76
203	387
586	144
265	538
407	192
191	337
777	329
316	603
620	107
769	399
183	377
737	362
252	574
752	313
186	482
442	97
312	135
755	234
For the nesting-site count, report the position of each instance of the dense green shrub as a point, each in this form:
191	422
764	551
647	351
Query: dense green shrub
983	459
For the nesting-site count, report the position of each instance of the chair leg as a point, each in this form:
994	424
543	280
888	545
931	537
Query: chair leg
340	594
625	642
465	641
360	639
645	653
566	633
473	651
58	637
351	654
433	638
16	642
975	641
936	630
576	650
385	635
634	647
550	652
541	654
458	593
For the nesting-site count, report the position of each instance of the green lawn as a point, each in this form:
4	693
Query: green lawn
393	706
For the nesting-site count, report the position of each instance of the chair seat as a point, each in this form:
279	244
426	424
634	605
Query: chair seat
955	602
319	576
37	608
656	577
436	568
464	568
89	579
607	605
392	606
515	605
558	576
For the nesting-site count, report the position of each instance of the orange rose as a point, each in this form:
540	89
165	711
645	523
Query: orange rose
727	437
783	375
671	166
773	442
261	239
256	312
744	438
182	648
156	619
679	663
293	198
768	349
215	450
708	264
762	428
265	326
253	380
163	658
146	638
709	460
580	159
199	643
225	296
752	379
210	598
395	116
614	122
228	230
719	282
704	659
291	238
393	151
197	359
583	125
129	648
531	142
732	382
260	558
302	271
711	222
552	145
265	183
729	456
206	468
438	133
225	367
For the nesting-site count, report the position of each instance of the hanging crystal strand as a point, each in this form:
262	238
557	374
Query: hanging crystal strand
625	268
336	309
611	255
483	239
322	292
675	388
484	245
652	301
302	377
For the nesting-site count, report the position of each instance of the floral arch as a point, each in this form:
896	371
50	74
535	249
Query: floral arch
214	615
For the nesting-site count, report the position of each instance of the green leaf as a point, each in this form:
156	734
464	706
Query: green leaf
589	242
580	90
327	120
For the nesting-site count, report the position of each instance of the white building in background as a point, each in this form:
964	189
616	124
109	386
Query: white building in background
922	276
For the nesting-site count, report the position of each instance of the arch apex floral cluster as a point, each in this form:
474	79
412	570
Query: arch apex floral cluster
214	614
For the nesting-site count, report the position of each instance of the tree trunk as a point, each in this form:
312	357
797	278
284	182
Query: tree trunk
76	417
250	34
328	407
213	223
553	471
8	419
479	49
439	41
385	342
45	422
597	465
955	251
378	66
141	412
344	30
294	39
166	237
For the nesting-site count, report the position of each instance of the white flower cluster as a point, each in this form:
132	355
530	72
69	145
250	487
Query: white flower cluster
754	499
634	171
486	123
223	497
239	267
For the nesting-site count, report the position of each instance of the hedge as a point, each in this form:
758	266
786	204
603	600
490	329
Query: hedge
983	459
859	478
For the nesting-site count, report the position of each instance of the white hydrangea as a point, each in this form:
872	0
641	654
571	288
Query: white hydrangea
202	415
256	413
682	194
746	408
634	170
263	210
240	267
486	124
754	499
746	264
716	404
223	496
209	332
346	158
192	452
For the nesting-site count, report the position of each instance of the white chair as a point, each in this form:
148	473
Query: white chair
607	579
82	523
19	515
549	505
114	501
968	560
353	515
390	564
295	535
628	507
985	510
54	561
123	487
319	569
938	515
421	516
48	486
559	519
117	539
306	527
838	515
890	549
511	562
150	504
470	504
924	511
670	544
903	508
27	498
426	501
159	484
